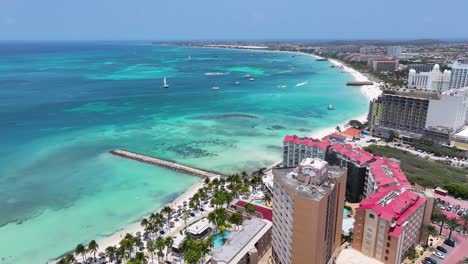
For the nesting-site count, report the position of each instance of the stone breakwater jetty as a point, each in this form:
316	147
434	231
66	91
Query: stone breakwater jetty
165	164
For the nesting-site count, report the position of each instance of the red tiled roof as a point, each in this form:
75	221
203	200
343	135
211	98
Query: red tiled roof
357	154
387	172
352	132
306	141
266	213
398	209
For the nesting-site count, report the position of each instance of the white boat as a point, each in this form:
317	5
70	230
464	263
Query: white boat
251	79
281	86
247	76
165	85
189	58
215	88
330	107
237	83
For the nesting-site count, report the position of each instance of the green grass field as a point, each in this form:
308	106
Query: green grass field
426	173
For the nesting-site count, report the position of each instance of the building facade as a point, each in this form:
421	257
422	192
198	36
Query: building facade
388	224
459	76
403	113
394	51
295	149
434	80
307	212
356	161
385	65
421	67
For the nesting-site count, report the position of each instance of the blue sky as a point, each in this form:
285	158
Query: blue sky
231	19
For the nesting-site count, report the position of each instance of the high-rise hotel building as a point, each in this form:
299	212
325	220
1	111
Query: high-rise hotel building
307	212
459	76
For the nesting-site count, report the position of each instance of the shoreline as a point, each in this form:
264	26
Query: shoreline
133	227
369	91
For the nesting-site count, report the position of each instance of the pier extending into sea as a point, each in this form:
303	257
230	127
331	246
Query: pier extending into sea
165	164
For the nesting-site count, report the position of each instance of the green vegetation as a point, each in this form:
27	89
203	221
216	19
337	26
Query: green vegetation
223	190
457	190
428	146
356	124
426	173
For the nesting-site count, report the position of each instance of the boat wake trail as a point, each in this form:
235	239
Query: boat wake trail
214	73
301	84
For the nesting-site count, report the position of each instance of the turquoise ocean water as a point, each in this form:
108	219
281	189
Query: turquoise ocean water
63	106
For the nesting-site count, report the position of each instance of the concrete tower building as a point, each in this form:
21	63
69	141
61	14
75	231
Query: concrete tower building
307	212
459	77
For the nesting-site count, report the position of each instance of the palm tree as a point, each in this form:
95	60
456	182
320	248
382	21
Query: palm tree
465	222
439	217
250	208
217	217
111	253
429	230
185	216
465	260
160	244
70	258
168	211
338	129
141	258
144	223
63	261
169	242
151	246
236	219
244	175
207	181
121	253
93	247
452	223
267	198
81	250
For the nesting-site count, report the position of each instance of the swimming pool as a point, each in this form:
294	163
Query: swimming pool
218	239
345	212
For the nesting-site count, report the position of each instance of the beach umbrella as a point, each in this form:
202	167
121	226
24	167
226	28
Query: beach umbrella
102	254
180	206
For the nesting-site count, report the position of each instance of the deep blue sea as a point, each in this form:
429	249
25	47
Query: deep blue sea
63	106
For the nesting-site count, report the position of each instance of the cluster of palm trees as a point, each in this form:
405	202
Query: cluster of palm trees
82	251
451	222
220	192
196	250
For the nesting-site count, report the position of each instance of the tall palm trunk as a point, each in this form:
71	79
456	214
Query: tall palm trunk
441	226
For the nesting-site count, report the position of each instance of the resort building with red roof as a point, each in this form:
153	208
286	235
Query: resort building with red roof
295	149
391	214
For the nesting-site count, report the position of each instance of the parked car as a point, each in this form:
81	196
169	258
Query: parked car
438	254
442	249
449	242
430	260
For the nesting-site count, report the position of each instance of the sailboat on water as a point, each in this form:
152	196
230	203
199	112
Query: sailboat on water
165	85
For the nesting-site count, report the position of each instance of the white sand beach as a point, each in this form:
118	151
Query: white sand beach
114	239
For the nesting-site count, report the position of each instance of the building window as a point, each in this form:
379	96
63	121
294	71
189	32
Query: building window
388	244
386	251
371	216
386	258
389	238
